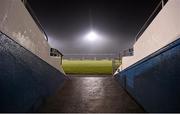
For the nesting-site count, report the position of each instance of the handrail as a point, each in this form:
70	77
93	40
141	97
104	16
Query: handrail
150	19
28	7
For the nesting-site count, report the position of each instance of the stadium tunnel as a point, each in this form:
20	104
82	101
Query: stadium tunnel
29	74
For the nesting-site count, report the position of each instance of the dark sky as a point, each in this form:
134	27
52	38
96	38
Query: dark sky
67	21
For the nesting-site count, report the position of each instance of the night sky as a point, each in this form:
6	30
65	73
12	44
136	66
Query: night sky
66	22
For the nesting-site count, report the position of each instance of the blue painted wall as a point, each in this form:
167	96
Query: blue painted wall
155	81
25	79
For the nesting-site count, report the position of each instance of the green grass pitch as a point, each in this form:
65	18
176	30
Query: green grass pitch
87	66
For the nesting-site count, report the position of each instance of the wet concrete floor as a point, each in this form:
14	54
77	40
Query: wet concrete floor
91	94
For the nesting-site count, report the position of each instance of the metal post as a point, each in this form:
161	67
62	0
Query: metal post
24	1
113	64
162	3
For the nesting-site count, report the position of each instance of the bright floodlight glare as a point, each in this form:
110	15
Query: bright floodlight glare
92	36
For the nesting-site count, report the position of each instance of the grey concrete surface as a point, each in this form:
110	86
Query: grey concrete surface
17	23
90	94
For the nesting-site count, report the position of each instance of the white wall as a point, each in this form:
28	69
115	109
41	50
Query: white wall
17	23
164	29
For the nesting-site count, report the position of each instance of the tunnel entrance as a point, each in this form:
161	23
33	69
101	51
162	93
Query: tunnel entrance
91	66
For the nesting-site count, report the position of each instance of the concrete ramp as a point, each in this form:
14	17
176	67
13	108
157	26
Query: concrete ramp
91	94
